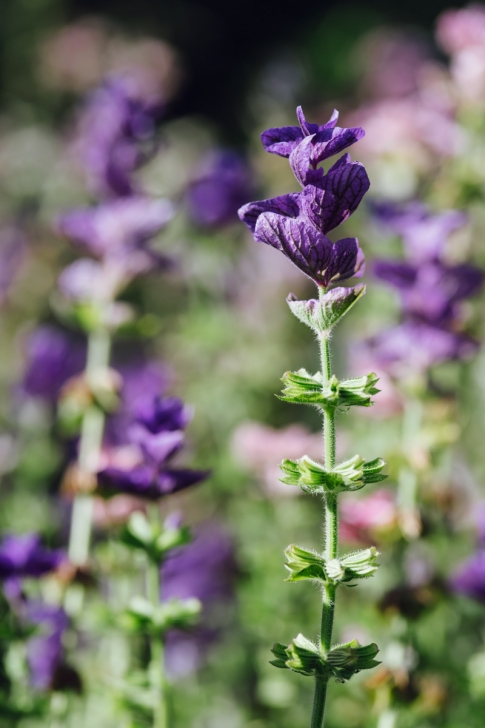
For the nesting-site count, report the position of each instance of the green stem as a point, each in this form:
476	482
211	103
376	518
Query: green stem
331	543
157	662
99	346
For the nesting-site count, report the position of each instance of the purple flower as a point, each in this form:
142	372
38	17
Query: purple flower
157	440
45	650
222	185
116	136
205	569
431	291
24	556
52	358
310	250
423	232
321	141
118	226
469	578
415	346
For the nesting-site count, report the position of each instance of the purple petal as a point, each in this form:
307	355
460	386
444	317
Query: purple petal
346	261
306	127
281	140
307	248
163	414
286	205
157	447
137	481
400	275
171	481
469	578
332	122
328	142
301	163
24	556
328	205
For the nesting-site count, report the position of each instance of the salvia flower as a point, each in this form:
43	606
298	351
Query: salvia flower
45	651
24	556
116	136
297	223
157	436
221	185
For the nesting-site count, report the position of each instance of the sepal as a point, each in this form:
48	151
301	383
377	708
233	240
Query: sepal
346	660
341	661
303	388
312	477
303	564
155	541
143	616
322	315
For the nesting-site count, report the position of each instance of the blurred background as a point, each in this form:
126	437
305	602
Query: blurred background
201	81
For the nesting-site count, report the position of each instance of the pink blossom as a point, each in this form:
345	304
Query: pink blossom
362	519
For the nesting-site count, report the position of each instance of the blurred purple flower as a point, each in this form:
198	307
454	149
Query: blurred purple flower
116	226
423	232
223	183
157	441
469	578
310	250
205	569
52	358
414	346
24	556
432	290
45	650
116	136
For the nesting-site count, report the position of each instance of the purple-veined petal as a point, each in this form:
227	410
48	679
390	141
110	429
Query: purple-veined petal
328	142
346	262
301	163
307	248
306	127
332	122
281	140
287	205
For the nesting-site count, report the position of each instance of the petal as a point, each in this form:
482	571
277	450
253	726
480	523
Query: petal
400	275
137	481
331	141
286	205
281	140
328	205
301	163
332	122
305	126
156	447
346	261
171	481
307	248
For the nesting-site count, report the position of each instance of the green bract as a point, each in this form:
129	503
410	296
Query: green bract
304	388
143	616
312	477
155	541
304	564
341	661
322	315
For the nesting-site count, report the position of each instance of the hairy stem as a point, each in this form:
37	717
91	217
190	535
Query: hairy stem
99	346
157	662
331	543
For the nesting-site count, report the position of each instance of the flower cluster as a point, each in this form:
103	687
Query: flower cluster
157	435
431	291
297	223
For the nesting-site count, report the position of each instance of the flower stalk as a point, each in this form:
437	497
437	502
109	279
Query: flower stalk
296	225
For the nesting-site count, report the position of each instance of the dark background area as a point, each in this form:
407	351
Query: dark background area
223	45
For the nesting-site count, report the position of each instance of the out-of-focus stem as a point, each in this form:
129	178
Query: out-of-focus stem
157	661
331	543
408	480
99	346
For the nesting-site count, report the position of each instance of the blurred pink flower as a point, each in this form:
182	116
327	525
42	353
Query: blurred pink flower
457	30
391	61
260	448
363	519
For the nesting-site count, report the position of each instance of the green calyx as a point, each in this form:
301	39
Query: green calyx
303	564
312	477
341	661
324	314
304	388
155	541
143	617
